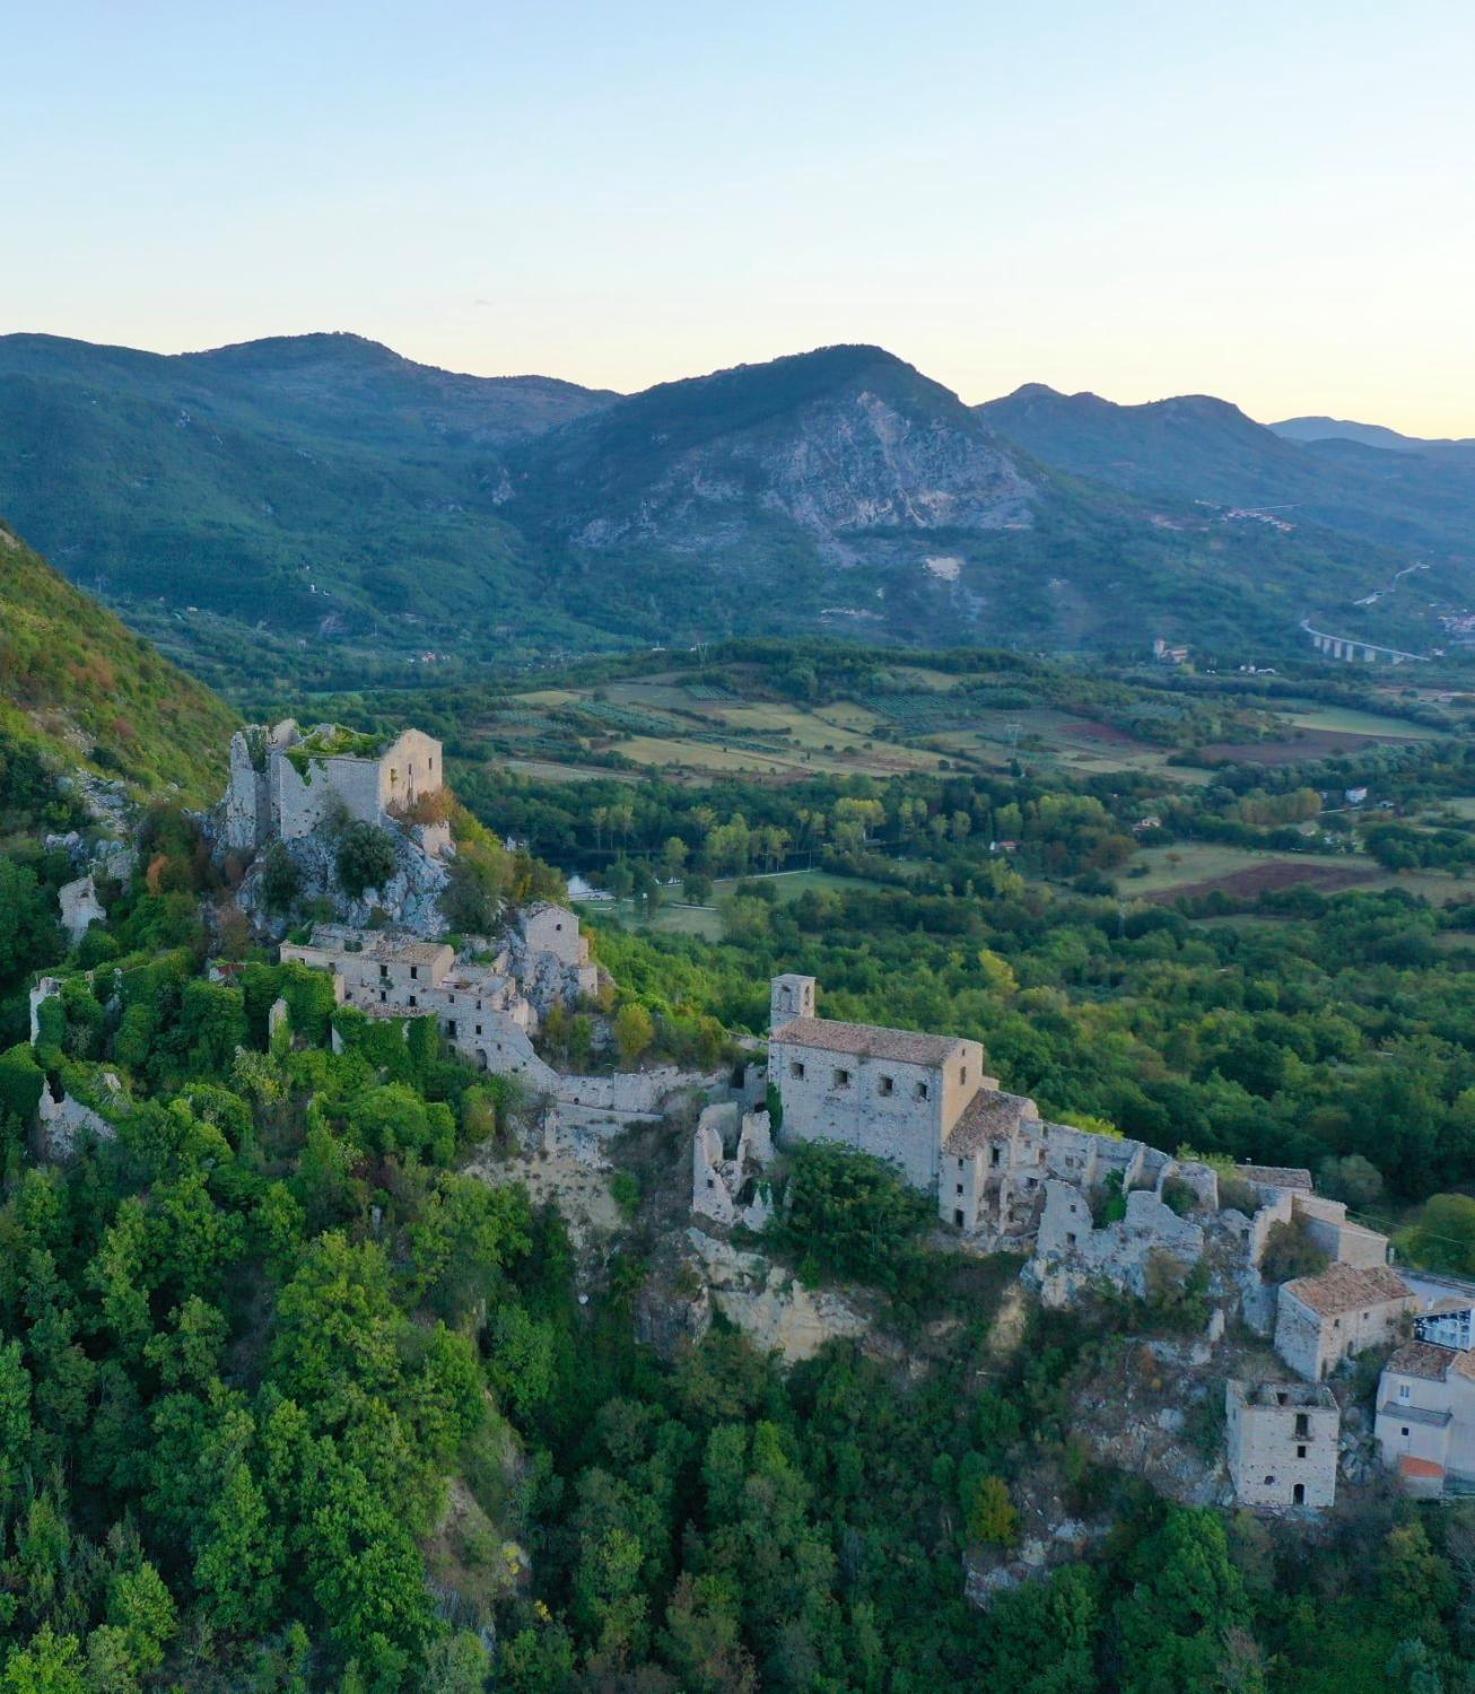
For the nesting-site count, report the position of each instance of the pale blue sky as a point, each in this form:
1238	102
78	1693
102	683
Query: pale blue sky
1273	202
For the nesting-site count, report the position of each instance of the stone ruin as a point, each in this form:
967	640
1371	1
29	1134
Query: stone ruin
731	1151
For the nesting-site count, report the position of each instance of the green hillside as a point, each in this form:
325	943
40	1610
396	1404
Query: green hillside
78	687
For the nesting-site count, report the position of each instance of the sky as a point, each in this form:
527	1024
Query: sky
1270	202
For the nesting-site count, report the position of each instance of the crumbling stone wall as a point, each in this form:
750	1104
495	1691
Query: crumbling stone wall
1072	1254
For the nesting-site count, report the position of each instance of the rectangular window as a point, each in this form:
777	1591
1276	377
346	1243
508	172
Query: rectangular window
1303	1426
960	1191
842	1079
1070	1241
414	973
958	1217
994	1155
478	1029
886	1085
796	1070
1403	1391
384	973
963	1074
921	1090
1300	1452
414	1001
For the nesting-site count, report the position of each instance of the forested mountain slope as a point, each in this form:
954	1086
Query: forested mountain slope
83	691
1348	479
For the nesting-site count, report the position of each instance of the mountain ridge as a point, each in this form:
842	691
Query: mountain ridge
322	496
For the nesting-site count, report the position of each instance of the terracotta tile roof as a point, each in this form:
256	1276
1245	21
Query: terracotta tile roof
1276	1176
865	1041
1408	1465
991	1115
1343	1288
1422	1358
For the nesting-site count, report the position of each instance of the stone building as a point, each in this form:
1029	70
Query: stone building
285	782
488	1009
926	1103
1282	1440
1425	1423
481	1009
1322	1320
889	1092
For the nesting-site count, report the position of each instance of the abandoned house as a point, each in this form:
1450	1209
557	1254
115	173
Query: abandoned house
1281	1440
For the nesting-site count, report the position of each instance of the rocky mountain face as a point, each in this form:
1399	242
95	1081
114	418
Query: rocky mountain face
839	442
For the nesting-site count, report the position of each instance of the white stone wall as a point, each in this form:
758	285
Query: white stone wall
898	1125
1276	1449
790	997
555	930
80	907
1070	1254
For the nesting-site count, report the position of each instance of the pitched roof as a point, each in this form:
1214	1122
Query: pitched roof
1416	1414
1422	1358
1276	1176
865	1041
991	1115
1343	1288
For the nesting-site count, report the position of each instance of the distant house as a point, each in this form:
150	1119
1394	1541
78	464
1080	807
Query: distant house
1166	655
1354	796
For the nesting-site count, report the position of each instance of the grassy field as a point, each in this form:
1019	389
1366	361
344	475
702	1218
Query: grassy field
705	921
1344	720
1190	865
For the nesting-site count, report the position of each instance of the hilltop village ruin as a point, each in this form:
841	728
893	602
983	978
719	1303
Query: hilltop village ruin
1091	1212
1085	1212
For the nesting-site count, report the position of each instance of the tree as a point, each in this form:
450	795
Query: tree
29	932
1187	1596
366	858
988	1512
49	1664
634	1031
281	881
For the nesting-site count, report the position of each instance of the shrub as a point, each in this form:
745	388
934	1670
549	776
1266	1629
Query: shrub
853	1214
366	858
1290	1252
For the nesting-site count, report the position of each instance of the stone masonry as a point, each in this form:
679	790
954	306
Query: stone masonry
1282	1443
284	783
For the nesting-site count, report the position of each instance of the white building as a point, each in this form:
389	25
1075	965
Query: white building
1426	1416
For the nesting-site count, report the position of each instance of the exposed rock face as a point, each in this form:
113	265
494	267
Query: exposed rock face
842	456
769	1306
410	898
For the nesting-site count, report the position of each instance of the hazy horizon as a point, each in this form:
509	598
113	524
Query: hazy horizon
1133	198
